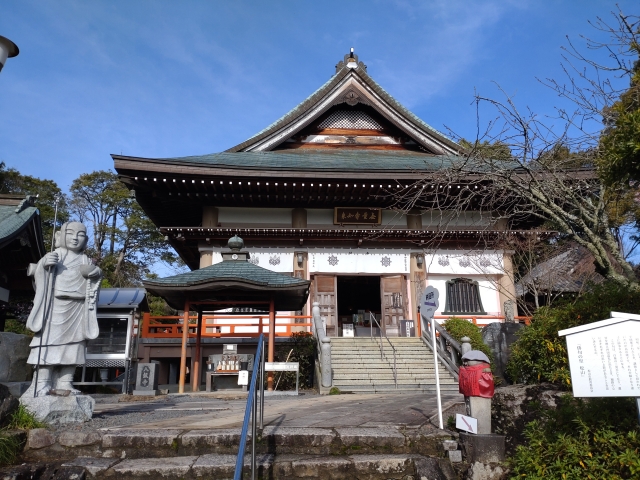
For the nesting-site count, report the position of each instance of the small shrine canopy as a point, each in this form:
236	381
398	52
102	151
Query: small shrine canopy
231	282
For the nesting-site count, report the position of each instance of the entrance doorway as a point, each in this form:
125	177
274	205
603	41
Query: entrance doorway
357	295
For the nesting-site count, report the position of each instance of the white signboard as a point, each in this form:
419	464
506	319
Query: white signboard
347	330
429	302
468	424
604	358
281	366
243	377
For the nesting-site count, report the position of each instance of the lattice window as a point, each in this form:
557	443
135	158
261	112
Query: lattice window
463	297
350	119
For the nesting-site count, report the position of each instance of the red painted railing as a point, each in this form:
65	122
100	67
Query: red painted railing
482	320
221	326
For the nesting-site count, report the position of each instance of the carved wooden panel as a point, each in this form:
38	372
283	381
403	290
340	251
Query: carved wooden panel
325	289
394	300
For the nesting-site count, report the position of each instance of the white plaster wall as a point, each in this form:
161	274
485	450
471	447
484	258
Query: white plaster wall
235	217
393	219
320	218
463	219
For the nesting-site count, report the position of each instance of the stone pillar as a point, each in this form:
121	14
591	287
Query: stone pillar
327	376
209	220
298	218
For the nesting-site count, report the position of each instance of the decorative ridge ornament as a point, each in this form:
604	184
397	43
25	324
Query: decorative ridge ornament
350	60
235	243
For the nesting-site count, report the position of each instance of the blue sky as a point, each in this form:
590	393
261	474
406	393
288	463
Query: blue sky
163	79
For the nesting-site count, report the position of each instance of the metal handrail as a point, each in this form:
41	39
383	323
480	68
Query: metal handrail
448	348
251	410
395	371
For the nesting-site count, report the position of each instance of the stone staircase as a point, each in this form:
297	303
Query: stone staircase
357	366
374	453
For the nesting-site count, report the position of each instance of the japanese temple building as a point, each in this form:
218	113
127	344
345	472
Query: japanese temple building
311	196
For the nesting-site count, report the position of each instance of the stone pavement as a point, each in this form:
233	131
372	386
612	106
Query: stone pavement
329	411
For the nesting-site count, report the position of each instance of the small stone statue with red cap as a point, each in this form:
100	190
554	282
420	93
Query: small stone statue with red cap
476	384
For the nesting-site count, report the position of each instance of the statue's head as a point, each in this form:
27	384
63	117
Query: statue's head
72	236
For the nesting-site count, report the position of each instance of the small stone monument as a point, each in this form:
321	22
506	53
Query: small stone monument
64	317
509	311
147	379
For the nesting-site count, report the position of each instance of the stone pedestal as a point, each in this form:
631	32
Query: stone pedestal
147	379
57	410
480	408
483	448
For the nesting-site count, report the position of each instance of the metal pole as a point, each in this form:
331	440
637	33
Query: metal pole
272	341
49	279
253	432
435	363
262	387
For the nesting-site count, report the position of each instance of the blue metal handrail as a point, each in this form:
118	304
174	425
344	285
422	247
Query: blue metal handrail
258	367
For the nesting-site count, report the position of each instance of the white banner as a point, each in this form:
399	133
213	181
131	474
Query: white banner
274	259
465	263
378	261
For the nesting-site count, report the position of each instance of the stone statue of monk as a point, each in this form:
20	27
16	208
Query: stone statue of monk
64	310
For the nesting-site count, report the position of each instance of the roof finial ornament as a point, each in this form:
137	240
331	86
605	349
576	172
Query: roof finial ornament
235	243
350	61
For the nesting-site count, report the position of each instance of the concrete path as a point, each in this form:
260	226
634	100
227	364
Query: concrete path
351	410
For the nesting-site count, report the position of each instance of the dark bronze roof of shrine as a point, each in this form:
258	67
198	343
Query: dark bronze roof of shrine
232	280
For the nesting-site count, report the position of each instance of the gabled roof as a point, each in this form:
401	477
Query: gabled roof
351	84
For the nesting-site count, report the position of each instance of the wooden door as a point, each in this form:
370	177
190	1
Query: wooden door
394	302
325	293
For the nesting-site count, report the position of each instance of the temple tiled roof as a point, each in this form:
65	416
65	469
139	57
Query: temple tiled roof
316	160
312	100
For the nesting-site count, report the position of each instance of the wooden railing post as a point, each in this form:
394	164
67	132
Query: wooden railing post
183	352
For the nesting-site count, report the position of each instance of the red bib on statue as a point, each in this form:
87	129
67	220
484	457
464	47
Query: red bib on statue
473	382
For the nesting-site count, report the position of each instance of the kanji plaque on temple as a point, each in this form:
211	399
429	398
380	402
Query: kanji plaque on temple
354	215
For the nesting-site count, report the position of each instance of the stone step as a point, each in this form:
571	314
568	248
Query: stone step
221	466
44	445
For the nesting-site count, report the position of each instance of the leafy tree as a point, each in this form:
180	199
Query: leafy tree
125	242
539	355
551	175
12	181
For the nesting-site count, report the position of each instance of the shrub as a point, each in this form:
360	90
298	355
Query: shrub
595	438
459	327
302	347
539	355
334	391
23	419
10	447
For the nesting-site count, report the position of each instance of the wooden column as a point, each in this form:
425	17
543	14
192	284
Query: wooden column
272	341
195	376
183	353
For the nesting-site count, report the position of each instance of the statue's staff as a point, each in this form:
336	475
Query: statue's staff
48	279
